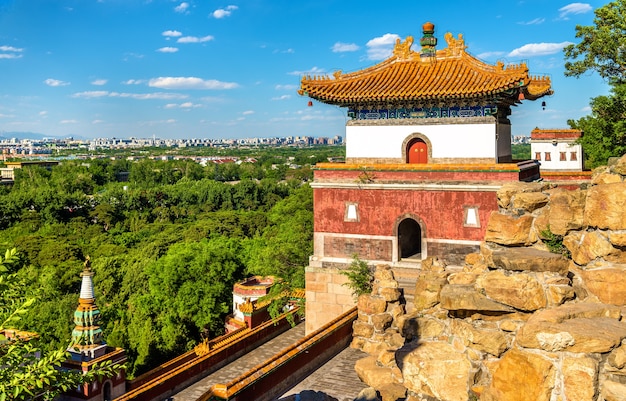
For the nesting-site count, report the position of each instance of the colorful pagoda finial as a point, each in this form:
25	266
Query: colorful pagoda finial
87	334
428	41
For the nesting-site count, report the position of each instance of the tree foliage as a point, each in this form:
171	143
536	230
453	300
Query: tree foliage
602	47
604	130
27	371
360	277
166	246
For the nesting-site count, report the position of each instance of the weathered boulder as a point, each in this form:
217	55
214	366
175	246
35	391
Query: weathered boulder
607	282
529	201
509	230
529	259
518	290
371	304
619	167
618	238
606	206
508	190
587	246
465	297
580	377
521	376
564	212
437	370
489	340
613	391
583	327
374	375
367	394
427	289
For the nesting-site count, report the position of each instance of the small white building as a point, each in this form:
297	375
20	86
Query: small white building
556	149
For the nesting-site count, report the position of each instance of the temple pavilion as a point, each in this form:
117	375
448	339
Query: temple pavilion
89	348
428	145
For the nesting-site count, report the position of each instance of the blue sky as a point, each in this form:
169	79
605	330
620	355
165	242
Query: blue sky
212	69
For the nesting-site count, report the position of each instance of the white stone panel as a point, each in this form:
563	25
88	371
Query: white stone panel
447	140
554	149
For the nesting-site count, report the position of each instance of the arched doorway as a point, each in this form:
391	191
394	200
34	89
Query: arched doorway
106	391
417	151
409	239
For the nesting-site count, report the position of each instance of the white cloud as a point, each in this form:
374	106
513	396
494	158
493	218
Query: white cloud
488	55
189	83
43	113
312	71
134	82
535	21
381	47
286	87
538	49
195	39
168	49
340	47
172	34
97	121
224	12
574	8
248	112
9	55
10	52
55	82
182	8
69	122
186	105
283	97
99	82
10	49
138	96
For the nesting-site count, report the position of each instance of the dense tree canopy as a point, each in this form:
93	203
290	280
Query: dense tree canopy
602	49
28	371
166	246
605	129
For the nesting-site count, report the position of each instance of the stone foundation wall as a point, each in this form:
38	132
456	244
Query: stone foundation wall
326	296
539	313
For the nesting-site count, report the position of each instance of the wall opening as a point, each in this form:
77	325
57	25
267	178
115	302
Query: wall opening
409	239
106	391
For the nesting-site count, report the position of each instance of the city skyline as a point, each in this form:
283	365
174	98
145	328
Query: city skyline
190	69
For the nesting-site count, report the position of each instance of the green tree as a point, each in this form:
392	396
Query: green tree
604	131
27	372
602	47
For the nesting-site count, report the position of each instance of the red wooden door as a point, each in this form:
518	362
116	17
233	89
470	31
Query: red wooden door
418	152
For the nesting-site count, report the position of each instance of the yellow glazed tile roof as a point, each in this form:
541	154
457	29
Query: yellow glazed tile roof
408	76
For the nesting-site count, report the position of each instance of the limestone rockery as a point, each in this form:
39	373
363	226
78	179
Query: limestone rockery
538	314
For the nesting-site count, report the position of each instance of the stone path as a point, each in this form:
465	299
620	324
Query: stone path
241	365
336	378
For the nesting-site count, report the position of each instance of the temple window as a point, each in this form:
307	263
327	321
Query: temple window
352	212
563	156
537	155
573	156
470	218
547	156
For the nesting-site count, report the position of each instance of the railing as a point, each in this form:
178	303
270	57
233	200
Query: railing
188	368
275	376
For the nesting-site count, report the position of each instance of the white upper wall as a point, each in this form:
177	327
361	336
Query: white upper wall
555	152
447	140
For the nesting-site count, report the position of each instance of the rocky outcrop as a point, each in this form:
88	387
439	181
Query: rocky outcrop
537	314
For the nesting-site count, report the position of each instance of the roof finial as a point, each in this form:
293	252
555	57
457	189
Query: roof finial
428	42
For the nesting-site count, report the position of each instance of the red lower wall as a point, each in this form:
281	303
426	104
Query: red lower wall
380	211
